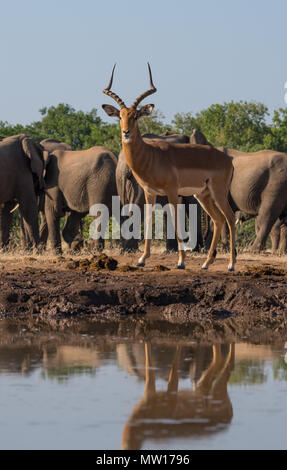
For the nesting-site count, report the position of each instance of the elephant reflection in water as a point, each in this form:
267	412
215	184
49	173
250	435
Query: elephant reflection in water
203	410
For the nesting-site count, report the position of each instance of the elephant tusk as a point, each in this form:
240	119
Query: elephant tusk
15	208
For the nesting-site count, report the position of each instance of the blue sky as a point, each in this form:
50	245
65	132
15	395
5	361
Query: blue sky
201	52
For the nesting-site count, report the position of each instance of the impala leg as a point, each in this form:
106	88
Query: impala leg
220	385
150	201
204	384
224	207
173	375
150	379
173	200
218	221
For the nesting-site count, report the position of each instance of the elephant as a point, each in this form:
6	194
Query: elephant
7	209
53	144
278	236
278	233
258	187
75	181
22	165
131	192
50	145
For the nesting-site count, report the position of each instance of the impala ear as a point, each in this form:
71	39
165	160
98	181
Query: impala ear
145	110
111	110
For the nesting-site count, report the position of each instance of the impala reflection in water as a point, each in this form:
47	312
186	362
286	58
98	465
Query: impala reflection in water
181	413
78	391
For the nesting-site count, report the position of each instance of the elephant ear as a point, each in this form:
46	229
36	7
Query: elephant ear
46	157
34	152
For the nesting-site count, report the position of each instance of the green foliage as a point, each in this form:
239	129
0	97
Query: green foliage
153	124
278	138
108	135
237	125
6	129
245	233
79	129
184	123
66	124
87	220
280	369
248	372
64	373
240	125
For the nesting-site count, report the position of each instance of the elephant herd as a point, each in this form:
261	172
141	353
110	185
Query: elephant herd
49	180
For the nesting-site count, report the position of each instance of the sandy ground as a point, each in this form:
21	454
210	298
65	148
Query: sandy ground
70	291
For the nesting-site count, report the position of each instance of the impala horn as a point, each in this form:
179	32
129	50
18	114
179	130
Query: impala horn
146	93
108	91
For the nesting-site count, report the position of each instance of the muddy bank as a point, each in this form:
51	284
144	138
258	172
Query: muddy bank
117	299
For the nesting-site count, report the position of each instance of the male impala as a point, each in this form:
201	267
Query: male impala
173	169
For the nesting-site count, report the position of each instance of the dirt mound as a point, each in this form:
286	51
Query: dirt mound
264	270
160	267
95	263
125	268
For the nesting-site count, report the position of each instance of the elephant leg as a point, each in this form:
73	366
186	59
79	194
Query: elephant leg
265	220
29	211
283	239
99	243
224	236
24	238
53	222
6	220
187	200
275	235
130	245
171	243
44	233
72	231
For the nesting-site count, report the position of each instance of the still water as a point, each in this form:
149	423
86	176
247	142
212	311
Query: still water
79	391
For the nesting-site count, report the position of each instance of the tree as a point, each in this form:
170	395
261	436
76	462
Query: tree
108	135
79	129
240	125
154	124
6	129
278	137
184	123
66	124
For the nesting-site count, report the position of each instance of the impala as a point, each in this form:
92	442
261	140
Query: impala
203	409
172	169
